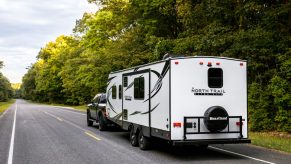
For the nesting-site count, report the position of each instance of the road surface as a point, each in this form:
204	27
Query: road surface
31	133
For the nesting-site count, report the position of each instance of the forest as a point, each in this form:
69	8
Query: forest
125	33
6	91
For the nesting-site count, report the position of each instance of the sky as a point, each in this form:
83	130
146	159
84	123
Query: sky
28	25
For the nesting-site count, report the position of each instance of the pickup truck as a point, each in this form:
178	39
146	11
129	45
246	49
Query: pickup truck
96	111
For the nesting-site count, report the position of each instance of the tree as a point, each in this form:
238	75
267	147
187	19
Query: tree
126	33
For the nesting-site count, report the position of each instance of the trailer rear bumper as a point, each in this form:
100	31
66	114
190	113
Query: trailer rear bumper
211	141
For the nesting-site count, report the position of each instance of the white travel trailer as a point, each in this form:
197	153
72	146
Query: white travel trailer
185	100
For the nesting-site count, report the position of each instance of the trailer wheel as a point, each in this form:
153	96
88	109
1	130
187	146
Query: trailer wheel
89	122
133	137
102	124
144	142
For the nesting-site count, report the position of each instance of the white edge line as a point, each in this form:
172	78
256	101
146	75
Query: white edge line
241	155
10	157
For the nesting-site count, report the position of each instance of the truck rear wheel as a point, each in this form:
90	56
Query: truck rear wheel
133	137
89	122
102	124
144	142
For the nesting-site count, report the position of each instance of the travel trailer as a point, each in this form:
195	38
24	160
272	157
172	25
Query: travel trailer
184	100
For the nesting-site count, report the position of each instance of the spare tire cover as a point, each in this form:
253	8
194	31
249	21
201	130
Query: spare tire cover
215	119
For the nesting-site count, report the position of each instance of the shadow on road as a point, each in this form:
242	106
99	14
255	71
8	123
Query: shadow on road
173	153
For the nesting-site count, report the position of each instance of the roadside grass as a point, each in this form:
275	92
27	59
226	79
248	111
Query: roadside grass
6	105
273	140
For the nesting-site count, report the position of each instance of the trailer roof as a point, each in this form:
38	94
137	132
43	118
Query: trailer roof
173	58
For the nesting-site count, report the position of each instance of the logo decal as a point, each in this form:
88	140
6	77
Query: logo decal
207	92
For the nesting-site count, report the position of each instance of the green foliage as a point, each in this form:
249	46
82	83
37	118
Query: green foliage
6	91
281	91
261	116
126	33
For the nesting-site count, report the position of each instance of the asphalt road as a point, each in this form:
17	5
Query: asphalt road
31	133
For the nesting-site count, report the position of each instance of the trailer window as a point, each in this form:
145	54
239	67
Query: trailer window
119	91
139	88
125	81
215	77
113	92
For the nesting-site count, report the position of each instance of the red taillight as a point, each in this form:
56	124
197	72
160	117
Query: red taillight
177	124
238	123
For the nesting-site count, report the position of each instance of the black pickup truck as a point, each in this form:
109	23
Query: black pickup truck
96	111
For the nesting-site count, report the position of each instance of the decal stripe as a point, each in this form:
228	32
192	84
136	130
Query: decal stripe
159	83
134	113
117	116
151	109
110	105
138	112
111	78
129	86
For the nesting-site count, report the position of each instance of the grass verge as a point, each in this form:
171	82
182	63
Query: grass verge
5	105
273	140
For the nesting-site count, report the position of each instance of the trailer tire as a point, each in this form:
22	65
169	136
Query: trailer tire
143	141
133	137
215	118
89	122
102	124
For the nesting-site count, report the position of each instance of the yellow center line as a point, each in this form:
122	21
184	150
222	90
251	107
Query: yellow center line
93	136
89	133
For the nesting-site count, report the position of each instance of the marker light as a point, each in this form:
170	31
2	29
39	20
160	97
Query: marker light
241	64
201	63
217	63
238	123
177	124
176	62
209	64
